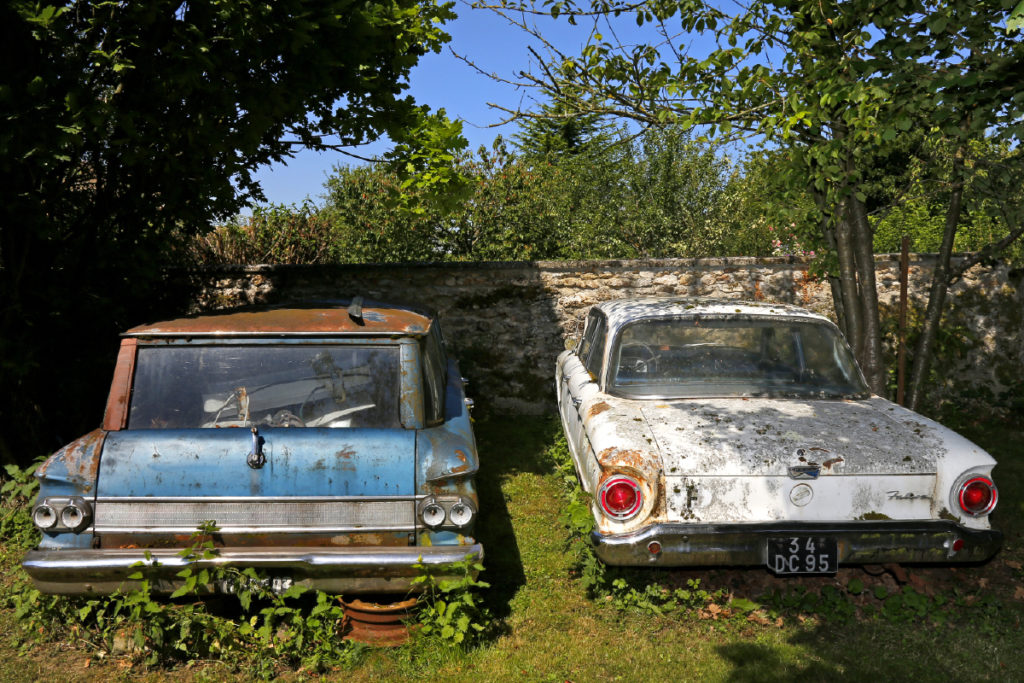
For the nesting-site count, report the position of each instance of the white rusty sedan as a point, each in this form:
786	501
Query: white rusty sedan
713	432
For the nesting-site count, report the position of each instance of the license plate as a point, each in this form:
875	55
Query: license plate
275	584
803	555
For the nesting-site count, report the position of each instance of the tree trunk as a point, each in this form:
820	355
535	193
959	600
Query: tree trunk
828	231
850	296
940	282
871	359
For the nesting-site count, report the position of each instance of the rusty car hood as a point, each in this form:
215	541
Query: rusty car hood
738	436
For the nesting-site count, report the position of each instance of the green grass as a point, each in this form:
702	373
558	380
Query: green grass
549	630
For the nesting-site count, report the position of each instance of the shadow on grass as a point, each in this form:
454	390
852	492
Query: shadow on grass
507	447
917	647
757	663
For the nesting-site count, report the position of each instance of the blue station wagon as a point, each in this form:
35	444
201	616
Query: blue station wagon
330	445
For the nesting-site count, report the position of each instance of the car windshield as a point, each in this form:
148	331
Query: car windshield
700	357
296	385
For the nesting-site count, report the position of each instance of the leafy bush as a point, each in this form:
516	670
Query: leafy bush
19	489
273	234
452	609
627	589
267	631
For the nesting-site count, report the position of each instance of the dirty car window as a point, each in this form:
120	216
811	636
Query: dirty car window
180	387
695	357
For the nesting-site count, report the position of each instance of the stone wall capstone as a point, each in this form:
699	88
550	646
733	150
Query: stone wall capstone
506	322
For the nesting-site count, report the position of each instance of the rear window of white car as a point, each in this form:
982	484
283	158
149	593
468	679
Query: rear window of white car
296	385
702	357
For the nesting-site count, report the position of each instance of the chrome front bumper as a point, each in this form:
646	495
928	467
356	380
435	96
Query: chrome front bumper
873	542
334	570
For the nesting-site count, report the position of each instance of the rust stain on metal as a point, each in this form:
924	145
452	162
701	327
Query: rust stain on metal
640	461
344	459
115	417
464	467
828	464
319	319
597	409
80	458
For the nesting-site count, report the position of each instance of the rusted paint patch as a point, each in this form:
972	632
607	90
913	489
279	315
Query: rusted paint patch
80	460
382	319
616	457
829	464
116	415
598	408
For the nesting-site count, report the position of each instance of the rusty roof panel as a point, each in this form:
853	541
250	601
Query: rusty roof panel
320	319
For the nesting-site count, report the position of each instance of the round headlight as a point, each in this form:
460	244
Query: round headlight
432	514
44	516
460	514
72	516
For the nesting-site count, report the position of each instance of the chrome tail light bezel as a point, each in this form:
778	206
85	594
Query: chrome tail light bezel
616	480
452	506
961	487
60	507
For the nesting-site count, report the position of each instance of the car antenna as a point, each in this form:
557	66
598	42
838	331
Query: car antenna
355	310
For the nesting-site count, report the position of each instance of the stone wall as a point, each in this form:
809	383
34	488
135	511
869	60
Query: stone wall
506	322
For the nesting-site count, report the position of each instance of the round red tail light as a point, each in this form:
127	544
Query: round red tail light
977	496
621	497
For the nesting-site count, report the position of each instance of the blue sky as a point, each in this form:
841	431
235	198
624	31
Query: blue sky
443	81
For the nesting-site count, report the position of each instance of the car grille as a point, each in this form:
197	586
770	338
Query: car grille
121	515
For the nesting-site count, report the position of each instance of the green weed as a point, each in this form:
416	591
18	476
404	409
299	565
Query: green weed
625	589
270	630
452	610
17	492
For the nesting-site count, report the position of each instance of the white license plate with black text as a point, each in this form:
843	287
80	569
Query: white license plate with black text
803	555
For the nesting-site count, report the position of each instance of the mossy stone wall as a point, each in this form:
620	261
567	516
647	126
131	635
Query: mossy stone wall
506	322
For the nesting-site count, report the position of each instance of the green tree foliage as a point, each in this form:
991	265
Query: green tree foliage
658	195
832	83
127	126
555	132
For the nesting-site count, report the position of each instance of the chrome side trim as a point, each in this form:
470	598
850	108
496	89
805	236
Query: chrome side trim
113	515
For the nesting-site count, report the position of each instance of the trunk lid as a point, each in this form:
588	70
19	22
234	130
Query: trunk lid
743	437
300	462
317	487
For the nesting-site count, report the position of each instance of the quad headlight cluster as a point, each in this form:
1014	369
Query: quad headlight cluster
444	511
62	514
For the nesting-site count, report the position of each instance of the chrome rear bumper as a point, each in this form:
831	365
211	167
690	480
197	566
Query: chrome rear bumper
334	570
868	542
